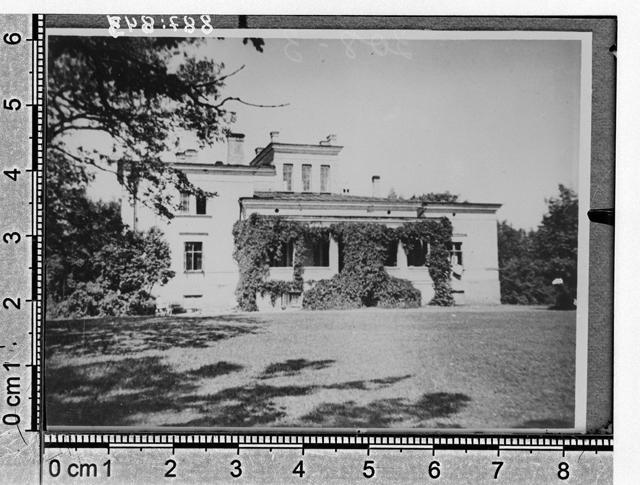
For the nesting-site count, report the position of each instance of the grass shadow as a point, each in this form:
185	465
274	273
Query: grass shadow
369	385
384	412
241	406
113	393
215	370
294	366
255	405
126	336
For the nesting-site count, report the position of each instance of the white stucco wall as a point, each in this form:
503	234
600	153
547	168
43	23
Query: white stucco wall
215	285
217	281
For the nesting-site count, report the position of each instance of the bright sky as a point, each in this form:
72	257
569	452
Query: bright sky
491	120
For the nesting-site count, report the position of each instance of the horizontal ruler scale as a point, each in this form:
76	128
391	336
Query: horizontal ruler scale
583	443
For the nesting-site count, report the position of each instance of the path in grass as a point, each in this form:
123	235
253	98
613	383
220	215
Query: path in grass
500	367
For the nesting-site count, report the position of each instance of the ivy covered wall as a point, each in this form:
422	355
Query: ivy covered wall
362	280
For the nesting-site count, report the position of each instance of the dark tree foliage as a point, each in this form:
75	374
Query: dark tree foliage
136	92
555	243
512	242
436	197
76	227
520	280
95	264
529	262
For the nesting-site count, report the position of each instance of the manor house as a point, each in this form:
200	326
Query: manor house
302	182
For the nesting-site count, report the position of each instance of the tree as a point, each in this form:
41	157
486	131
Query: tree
555	243
530	262
95	264
119	278
77	227
436	197
512	243
520	279
136	92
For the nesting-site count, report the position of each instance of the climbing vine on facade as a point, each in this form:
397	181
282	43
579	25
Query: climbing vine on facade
261	239
362	280
437	234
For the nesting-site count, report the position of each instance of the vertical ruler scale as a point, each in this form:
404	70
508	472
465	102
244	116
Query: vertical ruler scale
37	256
21	245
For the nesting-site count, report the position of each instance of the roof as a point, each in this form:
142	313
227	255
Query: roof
315	196
224	168
264	156
261	197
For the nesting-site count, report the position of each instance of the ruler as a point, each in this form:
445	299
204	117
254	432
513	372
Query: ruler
29	454
22	88
326	458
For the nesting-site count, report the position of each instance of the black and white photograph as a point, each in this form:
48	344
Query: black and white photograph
316	229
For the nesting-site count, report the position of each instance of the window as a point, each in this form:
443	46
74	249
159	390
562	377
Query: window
282	258
201	205
317	254
287	170
184	203
391	258
324	178
455	252
306	178
193	256
418	254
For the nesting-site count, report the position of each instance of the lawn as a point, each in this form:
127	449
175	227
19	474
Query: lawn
496	367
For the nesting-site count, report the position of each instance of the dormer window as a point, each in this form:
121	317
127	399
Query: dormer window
324	178
287	171
306	177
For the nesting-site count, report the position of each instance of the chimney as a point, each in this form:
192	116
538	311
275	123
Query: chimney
274	136
375	186
329	140
235	149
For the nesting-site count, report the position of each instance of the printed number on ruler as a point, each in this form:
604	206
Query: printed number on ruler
11	303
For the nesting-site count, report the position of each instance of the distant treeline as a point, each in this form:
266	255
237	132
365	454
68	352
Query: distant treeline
530	261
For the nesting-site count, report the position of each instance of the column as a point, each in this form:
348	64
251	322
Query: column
333	255
401	257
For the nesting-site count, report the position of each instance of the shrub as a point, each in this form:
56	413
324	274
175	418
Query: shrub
343	291
83	301
335	293
123	275
92	300
399	293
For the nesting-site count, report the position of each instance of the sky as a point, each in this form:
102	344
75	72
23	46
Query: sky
490	120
